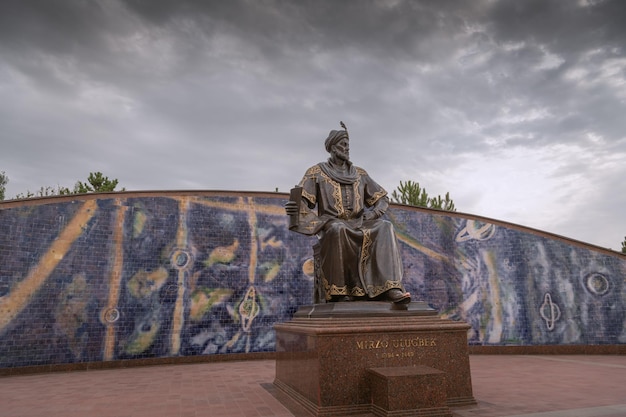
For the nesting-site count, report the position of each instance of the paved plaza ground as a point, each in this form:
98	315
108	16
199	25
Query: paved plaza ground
503	385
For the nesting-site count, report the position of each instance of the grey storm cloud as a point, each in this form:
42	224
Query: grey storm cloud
515	107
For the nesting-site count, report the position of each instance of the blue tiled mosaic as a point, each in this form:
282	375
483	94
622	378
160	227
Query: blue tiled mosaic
177	275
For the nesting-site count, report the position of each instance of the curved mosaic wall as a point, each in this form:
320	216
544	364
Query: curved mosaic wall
141	275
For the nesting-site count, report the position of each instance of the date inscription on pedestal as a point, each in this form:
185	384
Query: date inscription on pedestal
395	348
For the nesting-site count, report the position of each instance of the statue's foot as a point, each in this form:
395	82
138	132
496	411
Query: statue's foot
398	297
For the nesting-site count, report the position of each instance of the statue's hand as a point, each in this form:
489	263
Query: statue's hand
370	215
291	208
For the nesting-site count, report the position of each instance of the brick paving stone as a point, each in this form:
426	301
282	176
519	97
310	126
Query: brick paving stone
503	385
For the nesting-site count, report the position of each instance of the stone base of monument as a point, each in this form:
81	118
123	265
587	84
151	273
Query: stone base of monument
408	391
349	358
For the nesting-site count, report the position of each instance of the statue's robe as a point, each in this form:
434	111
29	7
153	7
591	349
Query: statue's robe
358	257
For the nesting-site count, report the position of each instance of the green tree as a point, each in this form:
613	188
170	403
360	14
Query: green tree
410	193
4	180
413	194
624	245
45	192
96	183
445	203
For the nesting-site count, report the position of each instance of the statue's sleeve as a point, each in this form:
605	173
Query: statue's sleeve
309	186
381	205
375	195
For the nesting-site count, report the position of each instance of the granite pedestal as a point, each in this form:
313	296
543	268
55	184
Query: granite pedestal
325	352
408	391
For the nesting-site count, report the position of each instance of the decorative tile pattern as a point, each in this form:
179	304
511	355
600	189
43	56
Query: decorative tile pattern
137	275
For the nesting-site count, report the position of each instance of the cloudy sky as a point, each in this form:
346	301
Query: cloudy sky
517	108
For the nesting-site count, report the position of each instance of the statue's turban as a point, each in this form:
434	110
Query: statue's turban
334	137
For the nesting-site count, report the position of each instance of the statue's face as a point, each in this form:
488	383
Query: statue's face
341	150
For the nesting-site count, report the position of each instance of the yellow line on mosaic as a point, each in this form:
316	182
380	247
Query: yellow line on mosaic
248	308
178	318
405	238
254	249
495	333
116	278
264	208
23	291
271	209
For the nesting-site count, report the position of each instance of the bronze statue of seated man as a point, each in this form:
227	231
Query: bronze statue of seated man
342	205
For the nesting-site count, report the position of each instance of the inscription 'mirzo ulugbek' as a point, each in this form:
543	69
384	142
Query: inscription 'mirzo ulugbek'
396	343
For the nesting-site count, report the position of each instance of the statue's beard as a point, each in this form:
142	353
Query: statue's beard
343	156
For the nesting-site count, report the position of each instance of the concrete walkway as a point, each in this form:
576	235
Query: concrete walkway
503	385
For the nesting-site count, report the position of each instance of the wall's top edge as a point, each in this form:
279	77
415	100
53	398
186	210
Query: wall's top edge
130	194
525	229
171	193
